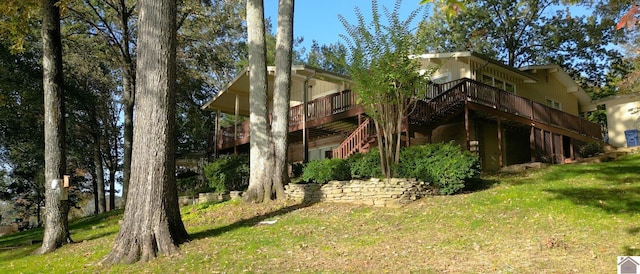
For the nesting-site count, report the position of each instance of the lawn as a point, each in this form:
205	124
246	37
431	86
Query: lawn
564	218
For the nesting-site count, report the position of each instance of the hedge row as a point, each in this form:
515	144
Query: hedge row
445	165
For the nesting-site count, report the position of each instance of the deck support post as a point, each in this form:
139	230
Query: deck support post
500	152
235	125
466	127
532	143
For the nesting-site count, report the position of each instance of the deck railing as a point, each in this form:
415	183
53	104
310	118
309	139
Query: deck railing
439	99
482	94
317	108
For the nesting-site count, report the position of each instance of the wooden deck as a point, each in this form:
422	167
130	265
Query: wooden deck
439	103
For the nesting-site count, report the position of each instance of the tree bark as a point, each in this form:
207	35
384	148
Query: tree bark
128	95
56	227
281	96
99	180
152	223
260	152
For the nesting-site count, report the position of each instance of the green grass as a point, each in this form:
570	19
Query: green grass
564	218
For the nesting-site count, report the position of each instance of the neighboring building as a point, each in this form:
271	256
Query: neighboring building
623	115
507	116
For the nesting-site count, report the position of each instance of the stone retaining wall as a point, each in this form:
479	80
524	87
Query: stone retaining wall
376	192
209	197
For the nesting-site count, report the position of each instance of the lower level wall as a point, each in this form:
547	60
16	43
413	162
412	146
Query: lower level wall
375	192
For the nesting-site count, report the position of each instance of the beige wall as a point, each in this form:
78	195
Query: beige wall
318	89
623	113
548	87
452	69
317	148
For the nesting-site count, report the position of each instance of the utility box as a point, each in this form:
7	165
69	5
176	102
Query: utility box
632	137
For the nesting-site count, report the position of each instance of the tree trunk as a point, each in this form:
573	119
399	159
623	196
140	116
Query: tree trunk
56	227
281	96
128	99
152	223
112	190
99	180
261	156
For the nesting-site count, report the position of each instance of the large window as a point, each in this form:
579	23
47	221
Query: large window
492	81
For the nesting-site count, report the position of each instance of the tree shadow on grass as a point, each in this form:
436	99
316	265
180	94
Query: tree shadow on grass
616	199
250	221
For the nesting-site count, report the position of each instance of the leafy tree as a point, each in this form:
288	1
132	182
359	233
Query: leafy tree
328	57
114	21
152	222
529	32
211	41
384	76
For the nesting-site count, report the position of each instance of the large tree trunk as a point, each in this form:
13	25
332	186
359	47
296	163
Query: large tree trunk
152	223
281	96
99	180
56	227
261	155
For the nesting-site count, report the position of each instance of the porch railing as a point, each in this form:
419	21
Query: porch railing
317	108
482	94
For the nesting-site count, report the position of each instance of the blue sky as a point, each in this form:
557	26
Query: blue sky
318	19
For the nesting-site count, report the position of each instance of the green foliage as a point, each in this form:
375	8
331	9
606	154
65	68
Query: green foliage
365	165
297	169
590	149
322	171
228	173
444	164
384	76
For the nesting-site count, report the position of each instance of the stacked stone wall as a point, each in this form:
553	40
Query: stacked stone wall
375	192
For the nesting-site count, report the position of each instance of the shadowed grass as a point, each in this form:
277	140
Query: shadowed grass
565	218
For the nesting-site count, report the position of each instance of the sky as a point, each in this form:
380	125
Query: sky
318	19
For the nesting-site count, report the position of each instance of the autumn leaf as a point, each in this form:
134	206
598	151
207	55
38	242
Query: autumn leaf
629	19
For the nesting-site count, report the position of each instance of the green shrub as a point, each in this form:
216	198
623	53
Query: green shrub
322	171
297	169
228	173
590	149
446	165
365	165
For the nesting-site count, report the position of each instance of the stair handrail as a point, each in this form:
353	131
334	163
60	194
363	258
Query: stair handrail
355	141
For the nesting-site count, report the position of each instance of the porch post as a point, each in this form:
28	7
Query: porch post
500	158
553	148
235	125
216	135
573	156
466	127
532	143
305	133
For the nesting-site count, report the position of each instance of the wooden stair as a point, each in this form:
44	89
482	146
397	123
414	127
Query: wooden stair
357	141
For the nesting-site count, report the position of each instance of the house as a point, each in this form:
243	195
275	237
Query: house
506	115
623	116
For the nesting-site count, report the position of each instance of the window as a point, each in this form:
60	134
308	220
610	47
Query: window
492	81
442	79
554	104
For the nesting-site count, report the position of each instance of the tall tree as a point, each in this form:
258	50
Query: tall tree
384	76
281	98
152	222
530	32
56	227
114	21
260	153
